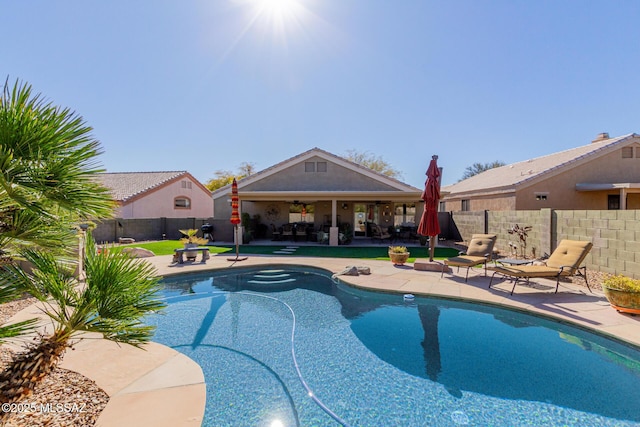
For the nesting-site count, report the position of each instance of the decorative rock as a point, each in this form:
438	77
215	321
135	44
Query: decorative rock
426	265
138	252
352	270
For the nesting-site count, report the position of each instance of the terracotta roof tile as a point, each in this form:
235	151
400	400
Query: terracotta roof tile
124	185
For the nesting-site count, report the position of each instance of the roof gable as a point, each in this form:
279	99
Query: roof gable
359	177
507	178
125	186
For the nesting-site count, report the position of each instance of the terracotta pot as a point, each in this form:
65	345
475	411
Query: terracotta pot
398	258
625	301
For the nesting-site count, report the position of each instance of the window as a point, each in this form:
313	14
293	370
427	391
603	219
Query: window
443	207
613	201
182	203
301	212
404	214
466	205
311	167
627	152
186	184
541	196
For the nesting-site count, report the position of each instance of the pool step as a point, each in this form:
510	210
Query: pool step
271	277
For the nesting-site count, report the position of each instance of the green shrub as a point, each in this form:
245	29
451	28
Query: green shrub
622	283
398	249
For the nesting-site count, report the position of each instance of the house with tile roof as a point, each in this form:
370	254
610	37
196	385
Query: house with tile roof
604	174
326	193
174	194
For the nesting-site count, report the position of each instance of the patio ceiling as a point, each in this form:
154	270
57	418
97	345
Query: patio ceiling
308	196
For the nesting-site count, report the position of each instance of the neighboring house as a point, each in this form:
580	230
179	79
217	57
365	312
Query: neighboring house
327	193
602	175
158	195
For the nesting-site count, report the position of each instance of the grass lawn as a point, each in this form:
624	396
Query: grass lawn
166	247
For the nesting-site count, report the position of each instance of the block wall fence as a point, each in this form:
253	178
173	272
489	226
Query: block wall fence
615	234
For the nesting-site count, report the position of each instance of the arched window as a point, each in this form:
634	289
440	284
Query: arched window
182	203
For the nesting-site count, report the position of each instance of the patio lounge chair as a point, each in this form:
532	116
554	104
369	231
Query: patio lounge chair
564	262
480	251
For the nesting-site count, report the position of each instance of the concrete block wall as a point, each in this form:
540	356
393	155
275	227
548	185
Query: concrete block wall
615	234
469	223
145	229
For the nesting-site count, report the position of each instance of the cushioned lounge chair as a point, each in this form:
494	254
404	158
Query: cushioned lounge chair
564	262
480	251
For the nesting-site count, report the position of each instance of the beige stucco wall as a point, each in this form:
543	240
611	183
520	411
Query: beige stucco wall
489	203
336	178
561	188
160	203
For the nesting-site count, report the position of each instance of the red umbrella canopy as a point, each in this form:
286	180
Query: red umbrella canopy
431	195
235	216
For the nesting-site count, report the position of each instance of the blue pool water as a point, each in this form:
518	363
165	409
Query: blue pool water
291	347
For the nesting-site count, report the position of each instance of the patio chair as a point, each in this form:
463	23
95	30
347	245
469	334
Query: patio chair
323	237
287	232
378	234
480	251
275	234
564	262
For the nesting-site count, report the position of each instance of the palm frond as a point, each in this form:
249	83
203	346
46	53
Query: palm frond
17	329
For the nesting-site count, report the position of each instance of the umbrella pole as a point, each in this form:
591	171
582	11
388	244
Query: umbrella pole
237	243
237	258
432	247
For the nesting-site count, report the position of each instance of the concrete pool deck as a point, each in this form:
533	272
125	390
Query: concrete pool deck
161	387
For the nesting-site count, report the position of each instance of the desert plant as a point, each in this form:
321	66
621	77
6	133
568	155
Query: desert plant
623	293
622	283
398	254
522	233
47	179
190	236
117	292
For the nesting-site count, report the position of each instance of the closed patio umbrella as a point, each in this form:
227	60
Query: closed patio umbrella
429	225
235	219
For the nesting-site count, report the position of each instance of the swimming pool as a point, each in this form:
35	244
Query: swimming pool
289	346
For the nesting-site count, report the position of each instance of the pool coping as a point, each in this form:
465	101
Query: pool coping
166	388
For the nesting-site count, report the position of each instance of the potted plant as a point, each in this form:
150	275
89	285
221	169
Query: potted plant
398	254
191	240
623	293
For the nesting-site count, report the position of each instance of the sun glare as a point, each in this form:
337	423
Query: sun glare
278	16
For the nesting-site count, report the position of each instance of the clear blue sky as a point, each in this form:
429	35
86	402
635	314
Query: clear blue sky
206	85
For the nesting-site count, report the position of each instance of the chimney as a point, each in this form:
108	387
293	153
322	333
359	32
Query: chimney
601	137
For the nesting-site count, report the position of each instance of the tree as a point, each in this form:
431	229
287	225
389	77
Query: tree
47	186
117	292
224	177
477	168
373	162
47	168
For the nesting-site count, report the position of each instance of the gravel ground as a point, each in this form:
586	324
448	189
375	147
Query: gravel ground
65	398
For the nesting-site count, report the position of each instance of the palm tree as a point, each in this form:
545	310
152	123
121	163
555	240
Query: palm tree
47	185
117	293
